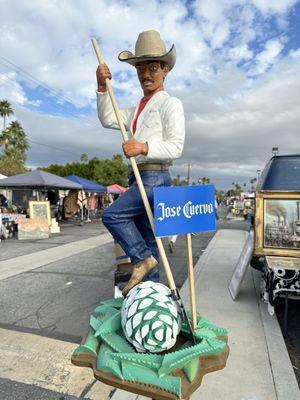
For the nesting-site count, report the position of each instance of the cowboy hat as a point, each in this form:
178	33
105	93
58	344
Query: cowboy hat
149	46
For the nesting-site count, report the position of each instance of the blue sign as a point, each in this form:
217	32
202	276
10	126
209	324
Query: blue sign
184	209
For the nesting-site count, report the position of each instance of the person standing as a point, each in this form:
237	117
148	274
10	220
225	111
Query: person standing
156	129
171	243
3	201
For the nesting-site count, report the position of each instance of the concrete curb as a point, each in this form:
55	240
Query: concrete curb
285	381
45	363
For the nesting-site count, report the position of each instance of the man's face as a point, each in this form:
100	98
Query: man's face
151	76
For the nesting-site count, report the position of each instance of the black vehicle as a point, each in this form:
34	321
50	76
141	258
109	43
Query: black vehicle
280	173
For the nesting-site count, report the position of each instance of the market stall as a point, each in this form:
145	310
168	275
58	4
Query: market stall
88	200
35	188
5	193
116	189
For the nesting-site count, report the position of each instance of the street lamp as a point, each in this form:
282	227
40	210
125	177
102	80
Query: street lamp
275	151
258	174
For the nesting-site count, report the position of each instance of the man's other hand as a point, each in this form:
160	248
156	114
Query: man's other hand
102	73
133	147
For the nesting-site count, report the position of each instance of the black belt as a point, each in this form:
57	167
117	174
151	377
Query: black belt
150	167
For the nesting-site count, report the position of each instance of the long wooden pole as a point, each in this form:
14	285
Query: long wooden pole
165	262
137	174
191	280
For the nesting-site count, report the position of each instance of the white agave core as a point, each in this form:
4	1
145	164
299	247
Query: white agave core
151	319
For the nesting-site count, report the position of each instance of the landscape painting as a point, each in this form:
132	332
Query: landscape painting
282	223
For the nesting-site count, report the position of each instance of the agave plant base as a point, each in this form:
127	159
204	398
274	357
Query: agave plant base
174	374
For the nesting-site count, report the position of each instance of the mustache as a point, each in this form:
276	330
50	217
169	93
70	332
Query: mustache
147	80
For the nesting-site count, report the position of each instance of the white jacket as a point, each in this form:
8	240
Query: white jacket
160	124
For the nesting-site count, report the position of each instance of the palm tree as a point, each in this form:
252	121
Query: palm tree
4	138
5	110
178	182
84	157
252	181
204	180
18	137
14	140
237	189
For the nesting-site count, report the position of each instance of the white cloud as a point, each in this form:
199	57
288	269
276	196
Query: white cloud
234	114
53	38
240	53
11	89
212	20
60	139
241	132
266	58
274	6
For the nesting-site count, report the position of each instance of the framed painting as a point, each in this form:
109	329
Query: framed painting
40	210
277	223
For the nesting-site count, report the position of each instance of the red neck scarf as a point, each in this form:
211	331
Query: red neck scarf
141	106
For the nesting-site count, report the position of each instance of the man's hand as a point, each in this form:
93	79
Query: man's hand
133	147
102	73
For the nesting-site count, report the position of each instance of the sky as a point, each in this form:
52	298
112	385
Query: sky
236	73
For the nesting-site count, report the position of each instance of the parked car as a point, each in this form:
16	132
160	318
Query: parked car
280	173
236	207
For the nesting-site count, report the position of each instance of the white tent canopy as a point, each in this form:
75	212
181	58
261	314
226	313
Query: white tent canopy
2	176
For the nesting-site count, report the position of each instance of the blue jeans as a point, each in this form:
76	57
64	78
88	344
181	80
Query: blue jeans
127	221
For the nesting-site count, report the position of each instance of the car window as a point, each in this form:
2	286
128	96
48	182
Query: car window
281	173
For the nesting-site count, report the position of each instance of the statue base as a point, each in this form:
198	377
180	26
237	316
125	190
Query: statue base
174	374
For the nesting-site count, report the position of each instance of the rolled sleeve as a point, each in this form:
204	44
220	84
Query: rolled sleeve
107	115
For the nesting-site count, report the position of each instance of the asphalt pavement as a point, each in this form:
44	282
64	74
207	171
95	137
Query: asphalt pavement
47	295
71	231
48	289
10	390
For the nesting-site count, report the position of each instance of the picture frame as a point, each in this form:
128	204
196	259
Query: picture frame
277	223
40	210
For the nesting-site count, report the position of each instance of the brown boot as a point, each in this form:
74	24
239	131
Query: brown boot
140	269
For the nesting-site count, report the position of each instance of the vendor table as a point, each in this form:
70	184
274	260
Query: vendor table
10	217
9	222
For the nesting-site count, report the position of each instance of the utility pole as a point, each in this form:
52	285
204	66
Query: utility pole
188	174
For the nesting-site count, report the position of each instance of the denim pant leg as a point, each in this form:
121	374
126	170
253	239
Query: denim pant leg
119	220
120	217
